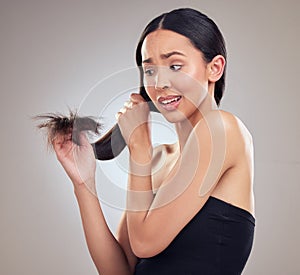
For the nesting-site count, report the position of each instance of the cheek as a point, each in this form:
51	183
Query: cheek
149	84
190	87
150	90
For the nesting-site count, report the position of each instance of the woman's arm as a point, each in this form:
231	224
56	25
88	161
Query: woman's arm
79	163
123	239
153	222
107	253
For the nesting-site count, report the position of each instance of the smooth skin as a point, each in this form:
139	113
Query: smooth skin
172	66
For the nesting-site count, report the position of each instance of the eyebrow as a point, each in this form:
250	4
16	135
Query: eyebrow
164	56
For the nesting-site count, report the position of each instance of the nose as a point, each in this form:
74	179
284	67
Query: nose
162	81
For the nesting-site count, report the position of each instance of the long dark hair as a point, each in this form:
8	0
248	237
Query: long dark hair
204	35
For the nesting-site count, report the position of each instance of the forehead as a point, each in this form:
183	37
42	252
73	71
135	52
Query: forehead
164	41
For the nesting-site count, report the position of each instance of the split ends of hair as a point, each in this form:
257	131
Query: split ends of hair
67	126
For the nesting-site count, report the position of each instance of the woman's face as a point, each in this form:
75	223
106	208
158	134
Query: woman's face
175	75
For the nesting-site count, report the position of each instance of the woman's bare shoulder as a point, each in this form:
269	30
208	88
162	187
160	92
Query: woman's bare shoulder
223	124
235	125
227	121
239	142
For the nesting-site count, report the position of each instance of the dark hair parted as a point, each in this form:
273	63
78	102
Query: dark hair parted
204	35
202	32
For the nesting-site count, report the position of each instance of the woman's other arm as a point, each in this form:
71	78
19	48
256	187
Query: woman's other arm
79	163
109	256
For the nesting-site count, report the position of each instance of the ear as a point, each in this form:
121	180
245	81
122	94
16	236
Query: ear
216	68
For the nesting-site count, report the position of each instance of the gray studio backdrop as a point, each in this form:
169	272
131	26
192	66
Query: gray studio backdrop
52	53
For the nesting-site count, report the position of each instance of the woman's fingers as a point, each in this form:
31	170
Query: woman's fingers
128	104
84	142
63	146
132	119
135	107
118	114
83	139
59	140
136	98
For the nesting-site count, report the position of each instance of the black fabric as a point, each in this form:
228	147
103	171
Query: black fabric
217	241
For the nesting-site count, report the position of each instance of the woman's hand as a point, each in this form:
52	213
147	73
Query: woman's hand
77	160
133	121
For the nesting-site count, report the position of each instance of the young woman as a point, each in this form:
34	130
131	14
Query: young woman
195	213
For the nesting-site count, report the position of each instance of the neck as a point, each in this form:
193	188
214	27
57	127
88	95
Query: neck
184	128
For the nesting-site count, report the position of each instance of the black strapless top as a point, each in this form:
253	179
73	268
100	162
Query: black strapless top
217	241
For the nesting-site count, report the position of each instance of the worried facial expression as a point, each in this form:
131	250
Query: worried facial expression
176	76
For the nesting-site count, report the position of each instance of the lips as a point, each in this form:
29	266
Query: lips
170	102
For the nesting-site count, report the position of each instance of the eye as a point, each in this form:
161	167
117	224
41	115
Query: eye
175	67
149	71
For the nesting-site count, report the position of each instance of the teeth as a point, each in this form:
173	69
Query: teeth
168	101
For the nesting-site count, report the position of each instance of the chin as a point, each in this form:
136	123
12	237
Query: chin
173	117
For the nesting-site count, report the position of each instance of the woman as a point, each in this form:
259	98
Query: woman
194	215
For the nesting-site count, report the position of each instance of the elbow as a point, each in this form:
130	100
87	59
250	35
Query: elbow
145	249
